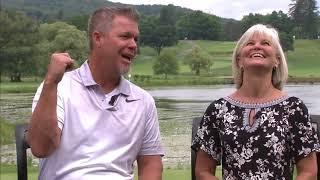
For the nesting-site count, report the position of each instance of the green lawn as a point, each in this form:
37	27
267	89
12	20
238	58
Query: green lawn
302	62
18	87
217	47
144	67
8	172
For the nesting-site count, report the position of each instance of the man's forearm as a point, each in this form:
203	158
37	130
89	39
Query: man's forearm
152	174
150	168
43	135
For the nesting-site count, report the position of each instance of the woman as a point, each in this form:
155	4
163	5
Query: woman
258	132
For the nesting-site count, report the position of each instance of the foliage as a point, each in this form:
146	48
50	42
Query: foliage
304	14
55	10
80	21
285	26
159	32
166	63
60	37
231	30
197	60
278	20
286	41
198	26
17	39
168	15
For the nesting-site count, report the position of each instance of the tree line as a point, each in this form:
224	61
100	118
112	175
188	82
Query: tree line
26	44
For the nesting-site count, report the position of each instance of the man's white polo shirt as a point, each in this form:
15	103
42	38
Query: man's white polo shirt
101	136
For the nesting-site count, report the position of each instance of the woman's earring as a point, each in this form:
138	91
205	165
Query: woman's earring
274	68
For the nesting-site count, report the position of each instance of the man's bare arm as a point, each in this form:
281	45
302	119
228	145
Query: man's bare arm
150	167
44	133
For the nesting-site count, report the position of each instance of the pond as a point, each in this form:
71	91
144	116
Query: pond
177	106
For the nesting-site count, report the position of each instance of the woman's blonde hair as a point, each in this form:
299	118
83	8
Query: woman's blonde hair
280	73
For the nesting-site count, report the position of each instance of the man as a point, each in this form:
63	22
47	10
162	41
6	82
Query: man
91	123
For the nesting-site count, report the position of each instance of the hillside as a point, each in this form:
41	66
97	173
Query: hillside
303	62
63	9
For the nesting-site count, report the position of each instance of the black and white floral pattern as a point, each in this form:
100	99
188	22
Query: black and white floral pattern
280	136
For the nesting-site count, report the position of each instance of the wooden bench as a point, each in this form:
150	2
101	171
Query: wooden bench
315	119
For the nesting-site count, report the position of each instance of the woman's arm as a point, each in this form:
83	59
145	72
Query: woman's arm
205	166
307	167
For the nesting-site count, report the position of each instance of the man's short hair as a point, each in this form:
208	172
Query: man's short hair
102	18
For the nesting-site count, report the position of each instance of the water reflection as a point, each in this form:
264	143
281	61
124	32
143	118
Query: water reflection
197	98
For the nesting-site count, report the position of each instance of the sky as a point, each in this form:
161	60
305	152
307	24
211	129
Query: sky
235	9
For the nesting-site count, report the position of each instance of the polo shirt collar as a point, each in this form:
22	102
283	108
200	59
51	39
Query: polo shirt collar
124	85
85	75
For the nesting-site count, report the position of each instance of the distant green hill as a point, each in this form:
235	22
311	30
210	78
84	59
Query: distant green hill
63	9
303	62
54	9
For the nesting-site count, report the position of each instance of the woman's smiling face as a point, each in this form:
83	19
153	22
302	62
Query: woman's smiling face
257	52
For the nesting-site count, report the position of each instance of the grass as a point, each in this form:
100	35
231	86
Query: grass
19	87
8	172
304	60
6	132
144	64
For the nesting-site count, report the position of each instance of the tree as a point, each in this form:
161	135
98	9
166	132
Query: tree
166	63
80	21
198	25
147	27
304	14
278	20
18	34
164	36
168	15
285	26
250	20
231	30
198	61
159	32
60	37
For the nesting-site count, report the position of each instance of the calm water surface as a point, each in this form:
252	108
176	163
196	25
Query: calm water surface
184	103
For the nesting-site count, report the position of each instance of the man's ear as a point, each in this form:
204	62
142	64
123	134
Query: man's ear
96	38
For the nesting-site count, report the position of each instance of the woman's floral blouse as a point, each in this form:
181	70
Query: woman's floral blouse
281	135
